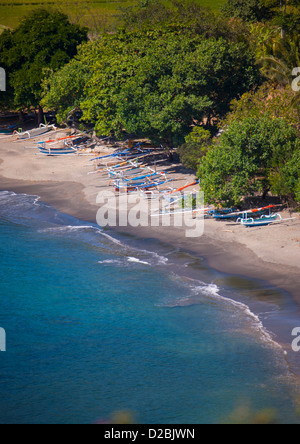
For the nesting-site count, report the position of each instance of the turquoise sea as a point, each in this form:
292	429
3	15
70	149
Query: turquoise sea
95	326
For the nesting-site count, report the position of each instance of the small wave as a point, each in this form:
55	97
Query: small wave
114	240
69	228
6	193
111	261
36	200
32	198
83	228
137	261
158	259
126	260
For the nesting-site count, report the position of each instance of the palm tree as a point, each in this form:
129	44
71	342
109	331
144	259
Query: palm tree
281	61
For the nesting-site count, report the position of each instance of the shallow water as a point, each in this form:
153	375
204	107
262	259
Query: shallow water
94	326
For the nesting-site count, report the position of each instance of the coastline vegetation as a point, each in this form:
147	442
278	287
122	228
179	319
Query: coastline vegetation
175	73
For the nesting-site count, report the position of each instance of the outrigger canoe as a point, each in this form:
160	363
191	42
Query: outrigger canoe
261	222
229	214
150	176
48	151
56	149
43	129
143	186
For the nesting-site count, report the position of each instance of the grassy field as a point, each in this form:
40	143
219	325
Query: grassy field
11	11
83	11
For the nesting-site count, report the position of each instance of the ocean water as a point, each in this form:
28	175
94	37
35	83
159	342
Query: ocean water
95	327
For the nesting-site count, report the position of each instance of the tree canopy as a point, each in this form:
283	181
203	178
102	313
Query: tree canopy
195	147
252	156
44	39
270	100
157	84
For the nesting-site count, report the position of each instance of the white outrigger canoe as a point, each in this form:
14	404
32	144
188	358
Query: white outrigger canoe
43	129
58	148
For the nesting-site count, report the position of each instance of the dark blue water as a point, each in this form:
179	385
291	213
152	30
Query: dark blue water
94	327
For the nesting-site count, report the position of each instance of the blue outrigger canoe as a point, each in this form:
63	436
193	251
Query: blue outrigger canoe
261	222
141	186
50	151
139	178
228	214
222	215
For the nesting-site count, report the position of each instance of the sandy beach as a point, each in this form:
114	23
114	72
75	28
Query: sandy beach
270	253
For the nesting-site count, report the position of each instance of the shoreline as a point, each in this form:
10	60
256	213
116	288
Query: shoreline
73	192
244	263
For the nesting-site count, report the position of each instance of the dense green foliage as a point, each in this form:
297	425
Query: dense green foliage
250	10
64	90
254	156
157	84
270	100
43	40
195	147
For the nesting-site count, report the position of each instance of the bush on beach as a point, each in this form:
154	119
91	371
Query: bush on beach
252	157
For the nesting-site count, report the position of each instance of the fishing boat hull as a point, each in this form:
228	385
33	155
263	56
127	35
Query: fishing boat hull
223	216
57	152
145	187
262	222
141	179
43	129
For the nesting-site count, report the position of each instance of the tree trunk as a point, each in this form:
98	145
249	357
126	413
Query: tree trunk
265	193
40	115
21	117
283	9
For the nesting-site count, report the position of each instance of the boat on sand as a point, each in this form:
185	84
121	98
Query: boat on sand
261	222
43	129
